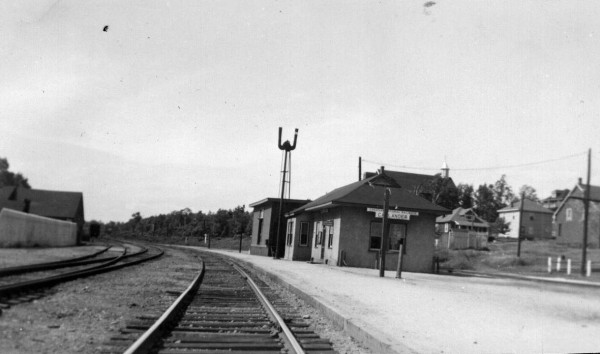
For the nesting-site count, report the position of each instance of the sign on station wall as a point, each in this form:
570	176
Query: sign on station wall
394	214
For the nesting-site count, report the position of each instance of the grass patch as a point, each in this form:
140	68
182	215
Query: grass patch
501	256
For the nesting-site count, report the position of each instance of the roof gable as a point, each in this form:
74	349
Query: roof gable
367	193
462	216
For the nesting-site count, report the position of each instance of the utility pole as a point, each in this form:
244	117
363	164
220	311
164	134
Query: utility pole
287	147
384	231
382	180
586	206
359	168
519	236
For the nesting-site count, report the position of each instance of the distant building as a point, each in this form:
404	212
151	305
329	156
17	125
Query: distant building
569	217
555	198
463	228
536	221
344	227
67	206
264	225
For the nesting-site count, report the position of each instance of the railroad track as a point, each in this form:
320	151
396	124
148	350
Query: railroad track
223	310
33	281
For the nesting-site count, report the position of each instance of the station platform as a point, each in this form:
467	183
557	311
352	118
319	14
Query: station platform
431	313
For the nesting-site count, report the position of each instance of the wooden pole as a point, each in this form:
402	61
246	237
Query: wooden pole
384	231
359	168
399	269
586	206
519	237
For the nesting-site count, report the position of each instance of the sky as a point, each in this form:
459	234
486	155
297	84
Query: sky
178	103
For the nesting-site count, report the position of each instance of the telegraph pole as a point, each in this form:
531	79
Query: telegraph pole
384	231
359	168
586	206
519	237
287	147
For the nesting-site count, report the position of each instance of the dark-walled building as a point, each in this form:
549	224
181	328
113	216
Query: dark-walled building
568	219
264	225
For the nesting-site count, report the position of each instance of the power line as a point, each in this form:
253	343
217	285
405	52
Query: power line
480	168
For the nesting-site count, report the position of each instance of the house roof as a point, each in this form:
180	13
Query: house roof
57	204
578	192
529	206
367	193
460	216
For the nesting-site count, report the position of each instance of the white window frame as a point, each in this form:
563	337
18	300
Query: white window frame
569	214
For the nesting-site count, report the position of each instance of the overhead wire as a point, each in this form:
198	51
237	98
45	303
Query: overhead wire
481	168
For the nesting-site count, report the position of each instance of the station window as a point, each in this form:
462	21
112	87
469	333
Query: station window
303	233
375	235
569	214
396	235
330	240
290	231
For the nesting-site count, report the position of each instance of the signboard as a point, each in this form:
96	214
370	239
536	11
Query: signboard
394	214
328	223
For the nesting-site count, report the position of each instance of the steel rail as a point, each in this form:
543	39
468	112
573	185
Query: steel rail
76	261
272	312
149	338
101	268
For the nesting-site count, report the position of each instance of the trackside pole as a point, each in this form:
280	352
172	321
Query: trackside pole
588	269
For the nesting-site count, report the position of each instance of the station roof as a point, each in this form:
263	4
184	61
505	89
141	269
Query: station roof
367	193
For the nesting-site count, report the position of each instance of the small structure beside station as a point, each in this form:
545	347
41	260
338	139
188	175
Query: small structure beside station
264	225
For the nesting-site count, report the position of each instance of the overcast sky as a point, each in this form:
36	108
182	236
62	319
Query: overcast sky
178	103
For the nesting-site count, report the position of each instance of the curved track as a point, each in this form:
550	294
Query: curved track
28	289
223	310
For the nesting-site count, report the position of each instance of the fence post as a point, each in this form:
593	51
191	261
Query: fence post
569	266
549	264
588	268
558	264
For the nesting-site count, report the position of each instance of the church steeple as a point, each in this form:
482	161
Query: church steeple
445	170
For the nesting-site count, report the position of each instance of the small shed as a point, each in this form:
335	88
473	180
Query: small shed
264	225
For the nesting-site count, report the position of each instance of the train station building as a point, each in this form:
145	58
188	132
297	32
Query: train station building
344	227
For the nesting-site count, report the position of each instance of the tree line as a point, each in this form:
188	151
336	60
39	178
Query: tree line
184	222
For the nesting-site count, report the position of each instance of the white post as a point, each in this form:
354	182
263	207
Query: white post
569	266
549	264
558	264
588	270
